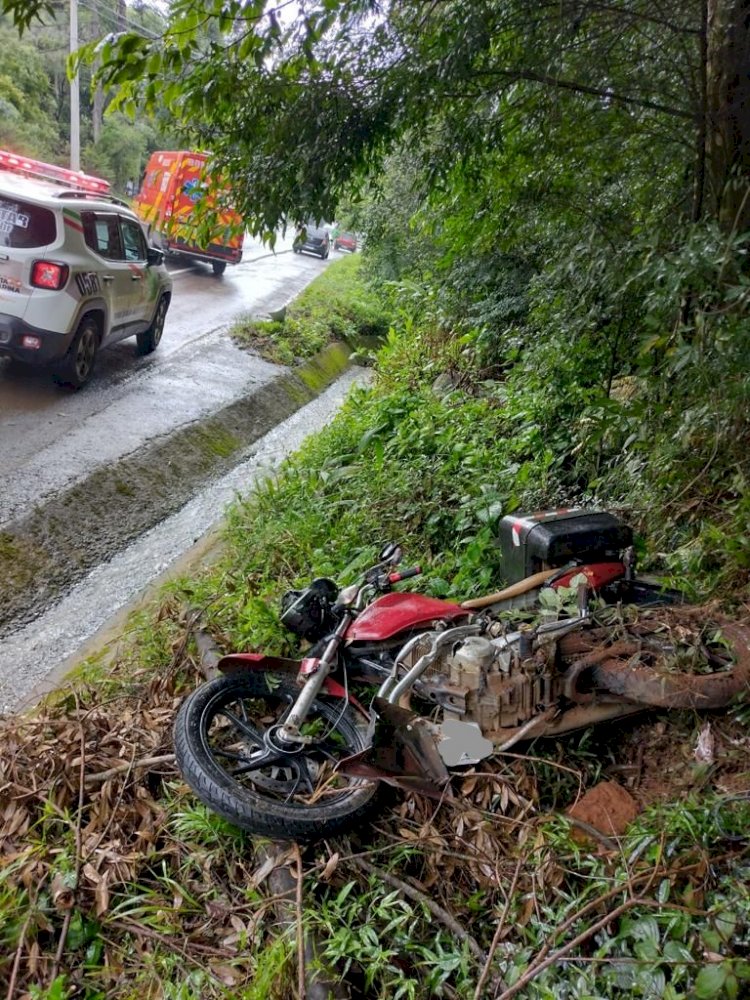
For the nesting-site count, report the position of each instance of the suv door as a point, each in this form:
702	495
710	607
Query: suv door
101	231
135	249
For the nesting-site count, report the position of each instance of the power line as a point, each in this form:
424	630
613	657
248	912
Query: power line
100	8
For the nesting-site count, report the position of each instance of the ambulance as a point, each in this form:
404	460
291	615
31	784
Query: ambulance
172	185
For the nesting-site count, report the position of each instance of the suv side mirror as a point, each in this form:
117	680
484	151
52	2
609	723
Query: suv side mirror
154	256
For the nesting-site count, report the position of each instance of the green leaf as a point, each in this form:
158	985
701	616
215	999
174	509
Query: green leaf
710	981
731	987
647	950
653	343
725	923
711	939
675	951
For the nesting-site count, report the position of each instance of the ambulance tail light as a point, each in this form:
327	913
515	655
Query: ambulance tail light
49	274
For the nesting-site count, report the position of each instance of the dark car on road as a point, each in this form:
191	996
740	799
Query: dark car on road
312	239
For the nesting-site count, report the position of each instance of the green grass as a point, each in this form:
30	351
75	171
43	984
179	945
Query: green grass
338	305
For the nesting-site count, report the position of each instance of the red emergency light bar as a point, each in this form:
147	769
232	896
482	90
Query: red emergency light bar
49	172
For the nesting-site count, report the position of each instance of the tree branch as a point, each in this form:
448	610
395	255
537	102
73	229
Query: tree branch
582	88
418	896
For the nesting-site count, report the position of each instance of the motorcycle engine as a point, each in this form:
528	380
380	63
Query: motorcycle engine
482	680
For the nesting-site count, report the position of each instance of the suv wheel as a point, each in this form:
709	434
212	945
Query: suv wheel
78	364
148	341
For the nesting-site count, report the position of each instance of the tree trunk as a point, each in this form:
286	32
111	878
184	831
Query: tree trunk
97	103
97	112
728	98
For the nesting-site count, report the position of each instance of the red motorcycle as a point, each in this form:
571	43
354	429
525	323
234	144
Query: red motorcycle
287	748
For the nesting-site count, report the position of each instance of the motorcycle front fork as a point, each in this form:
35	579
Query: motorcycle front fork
290	731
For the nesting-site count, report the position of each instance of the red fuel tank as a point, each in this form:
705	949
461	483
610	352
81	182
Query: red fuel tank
394	613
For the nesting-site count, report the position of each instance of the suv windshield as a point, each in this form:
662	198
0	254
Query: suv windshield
23	225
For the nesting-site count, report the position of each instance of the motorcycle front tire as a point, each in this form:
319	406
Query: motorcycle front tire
264	807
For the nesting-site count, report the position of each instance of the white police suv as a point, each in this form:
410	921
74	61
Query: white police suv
76	270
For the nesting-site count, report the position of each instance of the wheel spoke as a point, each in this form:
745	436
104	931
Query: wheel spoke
243	726
259	761
229	754
228	739
304	777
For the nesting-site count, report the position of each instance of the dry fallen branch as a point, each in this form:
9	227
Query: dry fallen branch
138	930
498	930
209	653
538	967
79	847
127	765
544	959
17	959
317	981
300	926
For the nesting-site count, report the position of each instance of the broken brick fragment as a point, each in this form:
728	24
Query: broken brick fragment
608	807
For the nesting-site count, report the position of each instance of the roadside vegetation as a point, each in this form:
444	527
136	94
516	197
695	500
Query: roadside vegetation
338	305
117	883
35	93
557	219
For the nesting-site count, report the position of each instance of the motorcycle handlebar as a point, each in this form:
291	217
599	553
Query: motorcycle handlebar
404	574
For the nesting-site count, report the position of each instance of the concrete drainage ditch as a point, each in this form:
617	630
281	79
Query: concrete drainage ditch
45	552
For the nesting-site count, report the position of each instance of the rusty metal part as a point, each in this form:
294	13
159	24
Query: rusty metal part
578	717
651	686
583	665
591	646
534	727
582	716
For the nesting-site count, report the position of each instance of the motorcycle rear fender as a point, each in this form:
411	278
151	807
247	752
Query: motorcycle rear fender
234	663
597	575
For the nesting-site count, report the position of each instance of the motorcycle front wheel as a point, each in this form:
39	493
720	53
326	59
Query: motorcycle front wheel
229	750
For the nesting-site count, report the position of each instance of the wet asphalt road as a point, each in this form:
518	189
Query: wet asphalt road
51	438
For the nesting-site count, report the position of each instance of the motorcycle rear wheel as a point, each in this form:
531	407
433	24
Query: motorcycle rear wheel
642	664
222	750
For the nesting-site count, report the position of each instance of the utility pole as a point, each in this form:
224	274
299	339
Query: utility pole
75	109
